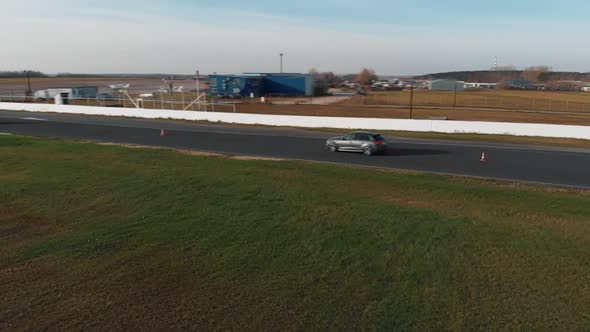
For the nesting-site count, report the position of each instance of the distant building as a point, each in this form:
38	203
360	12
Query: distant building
518	85
418	84
82	92
566	85
446	85
480	85
261	84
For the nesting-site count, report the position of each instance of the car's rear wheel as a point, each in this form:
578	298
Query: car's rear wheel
367	151
332	148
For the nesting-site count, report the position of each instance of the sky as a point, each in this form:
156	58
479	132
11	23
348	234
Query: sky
392	37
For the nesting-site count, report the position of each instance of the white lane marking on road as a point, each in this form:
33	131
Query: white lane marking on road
5	134
34	119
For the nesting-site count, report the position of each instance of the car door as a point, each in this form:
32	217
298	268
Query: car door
346	143
359	141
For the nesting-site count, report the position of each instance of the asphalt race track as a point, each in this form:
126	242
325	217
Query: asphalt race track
546	165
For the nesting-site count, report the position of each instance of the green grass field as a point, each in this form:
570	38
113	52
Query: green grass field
106	237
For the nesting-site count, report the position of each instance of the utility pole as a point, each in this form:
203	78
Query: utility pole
197	82
282	54
412	101
29	92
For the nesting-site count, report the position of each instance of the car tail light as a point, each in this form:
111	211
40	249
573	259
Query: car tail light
378	142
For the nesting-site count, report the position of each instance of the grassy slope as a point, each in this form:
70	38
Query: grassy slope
120	238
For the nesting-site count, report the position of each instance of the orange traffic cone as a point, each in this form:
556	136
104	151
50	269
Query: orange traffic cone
483	157
162	133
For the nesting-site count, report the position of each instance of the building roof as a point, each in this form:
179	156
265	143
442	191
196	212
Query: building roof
262	74
278	74
446	80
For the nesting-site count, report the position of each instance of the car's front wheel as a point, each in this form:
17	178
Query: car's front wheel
332	148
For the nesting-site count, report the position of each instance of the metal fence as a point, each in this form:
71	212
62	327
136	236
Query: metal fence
189	102
169	102
468	100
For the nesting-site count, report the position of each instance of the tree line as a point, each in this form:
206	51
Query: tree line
535	74
20	74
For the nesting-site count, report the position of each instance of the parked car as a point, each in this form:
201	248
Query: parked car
365	142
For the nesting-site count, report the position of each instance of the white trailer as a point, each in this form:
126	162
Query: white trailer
52	93
72	93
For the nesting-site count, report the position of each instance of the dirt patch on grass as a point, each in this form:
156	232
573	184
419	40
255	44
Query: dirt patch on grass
187	152
63	295
19	230
195	153
256	158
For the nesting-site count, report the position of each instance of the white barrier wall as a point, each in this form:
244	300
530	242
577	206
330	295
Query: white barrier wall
440	126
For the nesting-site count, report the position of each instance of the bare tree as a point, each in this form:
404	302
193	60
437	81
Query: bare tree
533	73
328	79
366	75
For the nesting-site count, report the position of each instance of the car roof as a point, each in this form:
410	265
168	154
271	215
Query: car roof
365	132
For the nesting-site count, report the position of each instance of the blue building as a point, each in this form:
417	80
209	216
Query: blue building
261	85
235	85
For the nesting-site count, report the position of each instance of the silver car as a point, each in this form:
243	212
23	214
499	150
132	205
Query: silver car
365	142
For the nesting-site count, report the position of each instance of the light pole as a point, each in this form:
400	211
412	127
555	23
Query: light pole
455	100
197	82
282	54
198	91
29	92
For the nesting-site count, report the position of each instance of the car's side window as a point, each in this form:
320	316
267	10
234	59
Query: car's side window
348	137
361	137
